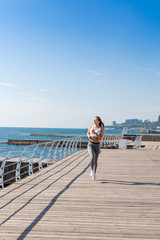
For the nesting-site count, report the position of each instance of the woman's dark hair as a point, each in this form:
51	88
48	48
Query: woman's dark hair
101	124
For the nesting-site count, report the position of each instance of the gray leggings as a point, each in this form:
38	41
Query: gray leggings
94	150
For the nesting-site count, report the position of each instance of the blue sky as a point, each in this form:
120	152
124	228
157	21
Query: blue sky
62	62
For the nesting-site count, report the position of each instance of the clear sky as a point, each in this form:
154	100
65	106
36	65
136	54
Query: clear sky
62	62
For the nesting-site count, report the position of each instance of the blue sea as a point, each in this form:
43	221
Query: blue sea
24	133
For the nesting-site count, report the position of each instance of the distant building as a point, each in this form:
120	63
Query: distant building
114	123
147	121
159	118
133	121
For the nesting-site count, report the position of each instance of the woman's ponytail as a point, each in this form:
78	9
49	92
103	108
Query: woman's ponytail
101	124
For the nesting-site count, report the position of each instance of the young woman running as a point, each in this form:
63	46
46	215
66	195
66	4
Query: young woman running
95	134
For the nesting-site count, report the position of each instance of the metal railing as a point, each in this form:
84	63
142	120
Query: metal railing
124	131
110	140
113	141
18	163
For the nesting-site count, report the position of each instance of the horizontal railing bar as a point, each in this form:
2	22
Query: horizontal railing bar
10	164
8	158
22	161
33	145
14	170
7	180
22	174
9	172
24	166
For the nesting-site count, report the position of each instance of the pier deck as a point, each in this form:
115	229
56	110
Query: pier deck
62	202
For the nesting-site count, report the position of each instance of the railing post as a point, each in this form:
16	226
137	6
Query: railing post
61	151
41	157
65	149
18	167
69	148
49	155
30	168
80	143
55	151
2	173
2	168
73	145
76	144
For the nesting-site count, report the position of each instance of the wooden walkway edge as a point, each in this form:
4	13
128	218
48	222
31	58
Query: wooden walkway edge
61	202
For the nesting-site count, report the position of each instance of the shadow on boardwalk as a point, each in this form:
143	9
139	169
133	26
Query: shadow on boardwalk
103	181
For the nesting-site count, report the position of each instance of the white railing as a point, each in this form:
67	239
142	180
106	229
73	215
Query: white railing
17	163
110	140
137	142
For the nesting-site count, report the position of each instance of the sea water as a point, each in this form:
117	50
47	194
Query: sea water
24	133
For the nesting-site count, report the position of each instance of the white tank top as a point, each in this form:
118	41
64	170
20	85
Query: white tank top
98	131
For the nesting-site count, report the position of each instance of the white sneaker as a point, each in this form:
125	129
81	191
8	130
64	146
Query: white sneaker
94	176
91	174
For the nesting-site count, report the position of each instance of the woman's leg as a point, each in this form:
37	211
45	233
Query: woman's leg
91	153
96	154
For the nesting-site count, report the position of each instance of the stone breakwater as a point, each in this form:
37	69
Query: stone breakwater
56	135
145	137
30	142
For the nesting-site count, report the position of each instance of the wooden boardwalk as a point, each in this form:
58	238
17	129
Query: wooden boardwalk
61	202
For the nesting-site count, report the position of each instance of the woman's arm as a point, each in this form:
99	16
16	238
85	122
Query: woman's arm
88	133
